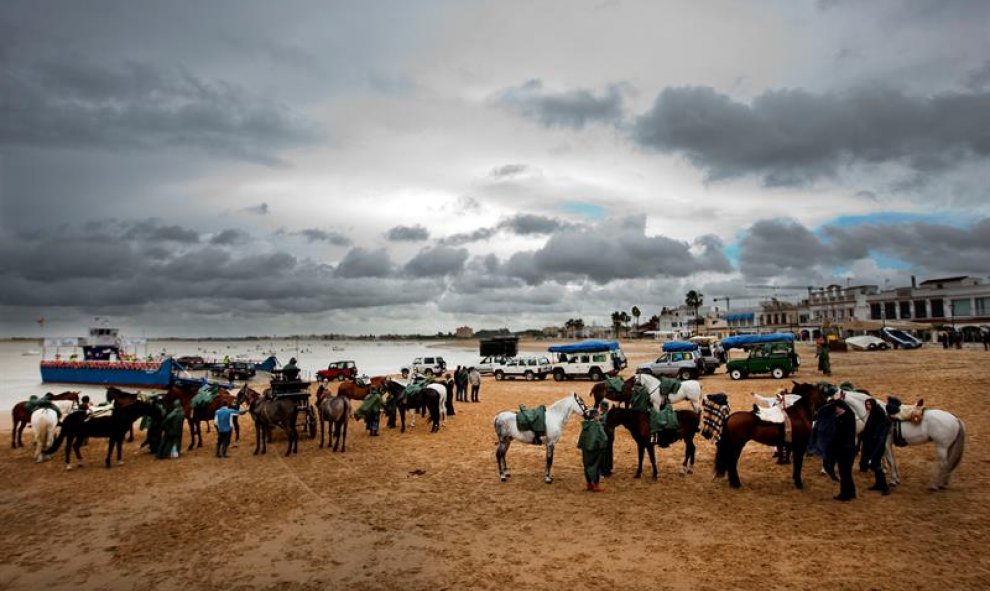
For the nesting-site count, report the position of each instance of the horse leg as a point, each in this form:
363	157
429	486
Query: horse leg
192	434
797	463
503	449
237	431
688	466
733	466
130	434
548	477
402	417
110	443
639	459
322	427
20	433
257	438
941	468
653	459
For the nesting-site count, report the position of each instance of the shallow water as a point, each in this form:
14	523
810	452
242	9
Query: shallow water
20	376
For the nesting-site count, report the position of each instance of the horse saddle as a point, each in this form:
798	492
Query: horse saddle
532	419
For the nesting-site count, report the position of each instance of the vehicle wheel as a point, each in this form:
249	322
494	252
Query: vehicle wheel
871	347
684	375
499	375
428	373
736	374
529	376
559	375
883	346
595	374
778	373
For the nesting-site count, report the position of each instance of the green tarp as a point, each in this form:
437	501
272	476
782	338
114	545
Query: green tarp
664	419
532	419
640	398
414	387
615	384
36	403
371	405
205	396
669	386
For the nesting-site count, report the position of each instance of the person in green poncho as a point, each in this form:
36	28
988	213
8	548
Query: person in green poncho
593	444
370	411
607	460
172	432
153	424
824	364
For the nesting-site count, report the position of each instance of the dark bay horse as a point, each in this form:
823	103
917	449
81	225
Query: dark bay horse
742	426
200	413
21	418
78	426
426	399
268	414
335	410
638	424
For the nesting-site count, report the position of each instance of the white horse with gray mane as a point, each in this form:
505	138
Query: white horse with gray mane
943	428
43	423
506	429
690	390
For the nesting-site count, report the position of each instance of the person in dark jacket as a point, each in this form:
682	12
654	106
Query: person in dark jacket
843	448
875	444
593	443
172	432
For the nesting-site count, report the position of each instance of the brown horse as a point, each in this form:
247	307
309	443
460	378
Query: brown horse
602	391
741	427
184	393
355	392
267	415
638	424
20	417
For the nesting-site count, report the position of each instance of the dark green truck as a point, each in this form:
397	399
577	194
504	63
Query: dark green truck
772	354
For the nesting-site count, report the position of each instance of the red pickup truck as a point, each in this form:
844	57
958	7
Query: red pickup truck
338	370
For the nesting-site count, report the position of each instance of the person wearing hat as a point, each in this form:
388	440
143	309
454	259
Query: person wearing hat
593	443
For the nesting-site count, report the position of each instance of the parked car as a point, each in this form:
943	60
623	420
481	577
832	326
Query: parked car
528	368
488	365
684	365
239	370
587	359
192	362
338	370
766	353
900	338
428	366
867	343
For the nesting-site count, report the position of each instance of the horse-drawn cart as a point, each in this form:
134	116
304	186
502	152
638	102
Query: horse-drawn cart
297	391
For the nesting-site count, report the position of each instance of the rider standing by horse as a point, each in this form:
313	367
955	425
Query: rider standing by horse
593	444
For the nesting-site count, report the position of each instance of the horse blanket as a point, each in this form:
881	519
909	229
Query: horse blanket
532	419
615	384
664	419
669	386
39	403
205	395
715	409
640	399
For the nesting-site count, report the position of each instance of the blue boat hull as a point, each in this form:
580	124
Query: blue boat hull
107	373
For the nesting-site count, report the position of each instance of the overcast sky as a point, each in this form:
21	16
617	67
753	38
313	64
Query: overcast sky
229	168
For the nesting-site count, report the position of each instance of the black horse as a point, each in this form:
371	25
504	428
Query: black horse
267	415
638	424
78	426
423	401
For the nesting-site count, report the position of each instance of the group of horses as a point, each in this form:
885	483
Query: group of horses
913	425
269	413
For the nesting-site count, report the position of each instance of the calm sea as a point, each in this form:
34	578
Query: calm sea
20	376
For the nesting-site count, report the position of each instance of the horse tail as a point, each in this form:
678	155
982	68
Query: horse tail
58	441
955	452
721	458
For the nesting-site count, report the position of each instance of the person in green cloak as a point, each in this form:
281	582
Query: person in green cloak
152	424
593	444
607	460
824	365
370	411
172	432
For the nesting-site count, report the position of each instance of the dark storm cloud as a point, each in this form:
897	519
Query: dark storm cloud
785	248
791	137
230	237
508	170
616	249
437	262
74	104
361	262
522	224
152	230
572	108
407	234
112	272
317	235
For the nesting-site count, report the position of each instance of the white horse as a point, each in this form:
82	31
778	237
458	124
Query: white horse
557	416
442	391
690	390
921	425
43	423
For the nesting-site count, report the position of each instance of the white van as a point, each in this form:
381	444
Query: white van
528	368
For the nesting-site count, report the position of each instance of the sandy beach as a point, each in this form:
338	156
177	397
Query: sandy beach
427	511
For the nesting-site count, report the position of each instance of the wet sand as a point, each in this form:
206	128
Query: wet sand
427	511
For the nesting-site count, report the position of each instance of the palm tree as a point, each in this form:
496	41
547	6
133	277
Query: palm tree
635	313
694	299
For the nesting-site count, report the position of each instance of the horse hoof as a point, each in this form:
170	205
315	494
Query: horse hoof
120	462
548	480
503	478
68	466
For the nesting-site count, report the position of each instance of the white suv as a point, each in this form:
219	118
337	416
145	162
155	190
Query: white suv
428	366
489	364
595	365
529	368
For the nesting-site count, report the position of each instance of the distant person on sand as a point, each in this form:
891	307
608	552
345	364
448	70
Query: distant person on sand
824	364
474	378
